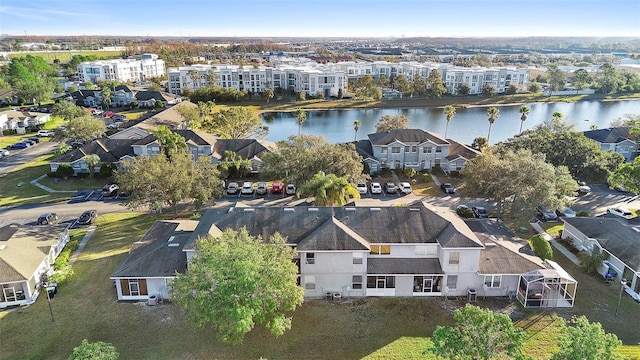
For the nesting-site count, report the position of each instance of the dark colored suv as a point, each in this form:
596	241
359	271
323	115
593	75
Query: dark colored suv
448	188
48	219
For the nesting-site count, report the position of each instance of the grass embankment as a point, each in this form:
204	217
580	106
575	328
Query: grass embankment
16	187
12	139
65	55
375	328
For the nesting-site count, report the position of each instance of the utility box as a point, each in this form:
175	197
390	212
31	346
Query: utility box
472	295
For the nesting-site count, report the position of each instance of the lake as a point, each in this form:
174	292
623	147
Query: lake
467	124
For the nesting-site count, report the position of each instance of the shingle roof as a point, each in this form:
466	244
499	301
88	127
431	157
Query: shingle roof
247	148
609	135
385	225
389	266
406	136
616	235
24	248
157	254
333	235
459	149
169	117
364	149
157	95
197	137
108	150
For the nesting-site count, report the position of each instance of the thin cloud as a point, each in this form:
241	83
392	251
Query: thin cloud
31	13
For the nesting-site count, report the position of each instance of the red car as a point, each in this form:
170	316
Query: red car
277	187
109	114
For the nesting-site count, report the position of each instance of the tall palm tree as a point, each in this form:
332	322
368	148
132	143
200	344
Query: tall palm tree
330	190
301	115
91	160
356	127
492	114
524	110
449	111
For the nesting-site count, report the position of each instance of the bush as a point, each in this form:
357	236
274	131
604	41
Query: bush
53	175
409	172
8	132
106	170
541	247
64	170
583	214
82	175
464	212
195	216
590	262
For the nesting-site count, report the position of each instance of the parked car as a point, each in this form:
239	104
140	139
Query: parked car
448	188
114	125
277	187
584	189
20	145
362	188
45	133
545	214
566	212
88	217
390	188
4	152
479	212
110	190
48	219
232	188
618	211
35	139
247	188
291	189
108	114
262	188
620	188
29	141
405	188
376	188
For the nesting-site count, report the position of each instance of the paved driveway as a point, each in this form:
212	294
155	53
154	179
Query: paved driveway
601	197
23	156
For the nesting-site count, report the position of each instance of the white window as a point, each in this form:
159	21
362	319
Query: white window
395	149
356	282
309	282
454	258
492	281
452	281
426	149
357	258
426	249
310	258
134	289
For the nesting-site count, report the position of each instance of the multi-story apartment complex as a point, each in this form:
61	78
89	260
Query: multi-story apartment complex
309	77
123	70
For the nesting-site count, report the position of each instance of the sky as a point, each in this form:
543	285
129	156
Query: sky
322	18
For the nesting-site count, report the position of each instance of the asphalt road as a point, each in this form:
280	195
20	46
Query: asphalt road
22	156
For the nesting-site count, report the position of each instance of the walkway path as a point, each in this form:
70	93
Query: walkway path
568	254
82	244
48	189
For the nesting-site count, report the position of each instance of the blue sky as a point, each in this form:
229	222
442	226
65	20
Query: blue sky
346	18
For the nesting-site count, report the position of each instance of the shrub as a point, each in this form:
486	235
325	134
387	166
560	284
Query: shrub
82	175
583	214
8	131
53	175
464	212
106	170
541	247
426	178
64	170
590	262
195	216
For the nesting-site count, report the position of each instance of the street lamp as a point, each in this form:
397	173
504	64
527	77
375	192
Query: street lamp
622	284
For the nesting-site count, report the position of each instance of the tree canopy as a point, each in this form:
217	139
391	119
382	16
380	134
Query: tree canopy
94	351
365	89
236	122
518	180
330	190
627	175
84	127
168	140
31	77
238	281
587	341
435	85
478	334
392	122
299	157
68	111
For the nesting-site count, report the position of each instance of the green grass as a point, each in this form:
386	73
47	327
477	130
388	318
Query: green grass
65	55
16	187
73	183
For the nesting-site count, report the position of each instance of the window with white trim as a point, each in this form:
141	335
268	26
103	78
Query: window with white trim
310	258
452	281
454	258
134	288
309	282
356	282
381	282
426	149
395	149
357	258
426	249
492	281
380	249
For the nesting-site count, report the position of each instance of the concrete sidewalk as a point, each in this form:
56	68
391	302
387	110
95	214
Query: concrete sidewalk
82	244
46	188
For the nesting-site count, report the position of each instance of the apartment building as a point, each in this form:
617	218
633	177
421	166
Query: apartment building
124	70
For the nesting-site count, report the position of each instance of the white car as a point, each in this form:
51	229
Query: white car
376	188
4	152
247	188
405	188
362	188
620	212
290	189
45	133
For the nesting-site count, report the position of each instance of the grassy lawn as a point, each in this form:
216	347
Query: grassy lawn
74	184
133	114
65	55
373	328
16	187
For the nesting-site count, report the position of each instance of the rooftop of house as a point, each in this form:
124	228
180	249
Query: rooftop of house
462	150
406	136
610	135
108	150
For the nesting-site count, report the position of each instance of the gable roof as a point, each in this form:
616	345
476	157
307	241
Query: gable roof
169	117
124	88
364	149
146	95
616	235
159	252
83	94
23	248
108	150
406	136
354	227
197	137
610	135
462	150
247	148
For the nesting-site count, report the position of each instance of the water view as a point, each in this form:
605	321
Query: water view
467	124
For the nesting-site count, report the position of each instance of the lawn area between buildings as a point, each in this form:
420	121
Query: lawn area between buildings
16	187
372	328
65	55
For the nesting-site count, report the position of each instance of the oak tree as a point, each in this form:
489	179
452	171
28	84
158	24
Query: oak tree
392	122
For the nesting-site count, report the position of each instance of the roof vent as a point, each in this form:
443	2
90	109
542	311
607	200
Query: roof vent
249	210
490	244
174	245
171	238
350	209
414	209
375	209
2	247
312	209
289	209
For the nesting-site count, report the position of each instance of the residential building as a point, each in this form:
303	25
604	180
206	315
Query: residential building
123	70
26	254
616	139
108	150
21	120
361	251
617	237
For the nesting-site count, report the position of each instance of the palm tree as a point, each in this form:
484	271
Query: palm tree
356	127
492	114
91	160
330	190
524	110
449	111
301	115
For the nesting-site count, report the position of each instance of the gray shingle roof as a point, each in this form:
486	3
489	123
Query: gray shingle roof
333	235
389	266
108	150
247	148
406	136
609	135
615	235
459	149
364	149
